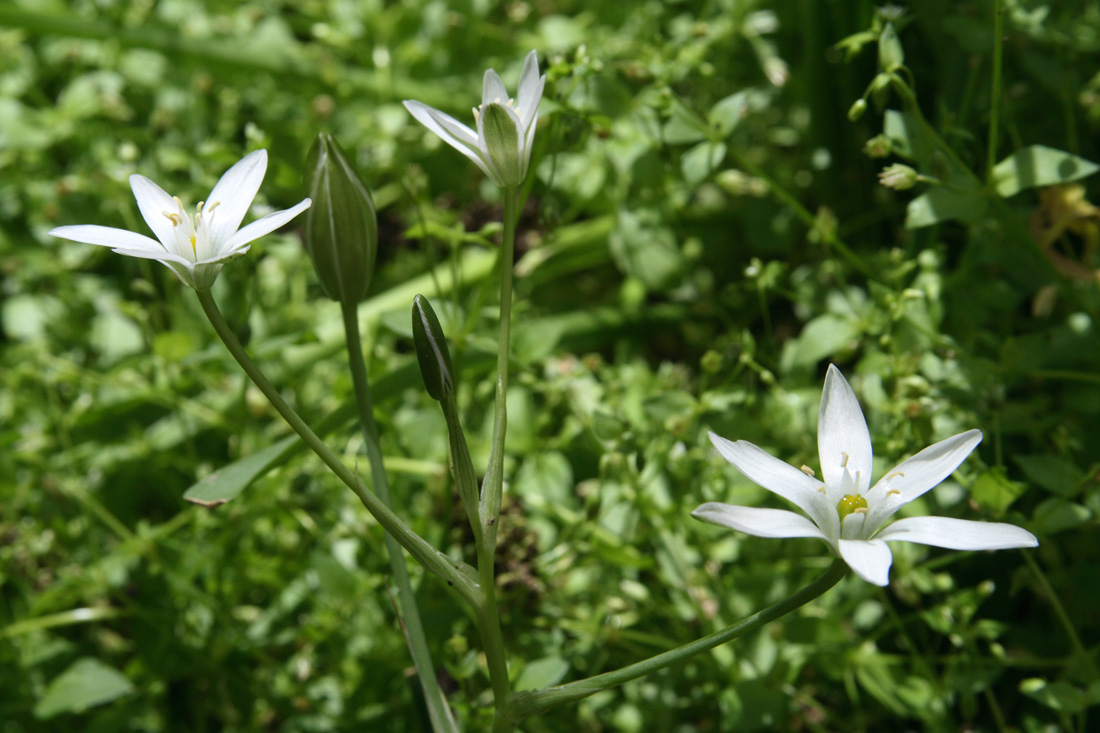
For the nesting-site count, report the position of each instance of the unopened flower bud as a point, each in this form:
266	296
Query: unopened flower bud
890	53
502	142
898	177
878	147
431	350
857	109
341	228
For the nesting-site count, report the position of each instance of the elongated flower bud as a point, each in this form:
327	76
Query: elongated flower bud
501	134
431	350
341	228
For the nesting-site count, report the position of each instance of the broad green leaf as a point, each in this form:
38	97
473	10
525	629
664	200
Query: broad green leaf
1038	165
542	673
87	683
944	204
643	247
823	336
1056	515
995	492
699	162
682	128
547	476
1054	473
727	113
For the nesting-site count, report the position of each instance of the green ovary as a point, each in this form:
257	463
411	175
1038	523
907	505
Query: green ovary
850	504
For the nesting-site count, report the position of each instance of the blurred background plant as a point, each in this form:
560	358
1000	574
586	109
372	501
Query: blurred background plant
704	231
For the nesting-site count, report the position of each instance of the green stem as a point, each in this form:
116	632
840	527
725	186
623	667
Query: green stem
830	238
526	704
456	574
488	616
494	476
995	96
1060	612
438	710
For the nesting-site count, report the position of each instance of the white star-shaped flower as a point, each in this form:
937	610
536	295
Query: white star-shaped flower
501	145
847	512
194	247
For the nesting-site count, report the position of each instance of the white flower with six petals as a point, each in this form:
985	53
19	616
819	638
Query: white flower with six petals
501	145
194	247
847	512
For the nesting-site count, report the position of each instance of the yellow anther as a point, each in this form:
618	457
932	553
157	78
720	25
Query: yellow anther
213	206
844	463
807	470
893	491
176	219
822	490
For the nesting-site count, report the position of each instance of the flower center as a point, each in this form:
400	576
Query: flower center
851	504
192	232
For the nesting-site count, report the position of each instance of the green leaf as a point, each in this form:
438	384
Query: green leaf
995	492
87	683
542	673
1055	515
699	162
1058	695
682	128
1054	473
1038	165
546	477
727	113
226	483
823	336
643	247
944	204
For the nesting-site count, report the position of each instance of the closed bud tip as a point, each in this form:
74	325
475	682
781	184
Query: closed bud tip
341	226
431	350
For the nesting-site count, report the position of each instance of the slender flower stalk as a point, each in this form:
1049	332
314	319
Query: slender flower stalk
438	710
501	145
455	573
848	513
195	246
525	704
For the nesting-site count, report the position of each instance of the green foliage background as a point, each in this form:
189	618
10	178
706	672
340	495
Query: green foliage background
703	234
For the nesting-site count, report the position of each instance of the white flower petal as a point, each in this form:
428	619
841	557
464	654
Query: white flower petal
758	521
917	474
433	119
842	438
803	491
260	227
529	143
233	195
869	559
108	237
153	202
449	130
493	89
149	254
530	89
958	534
